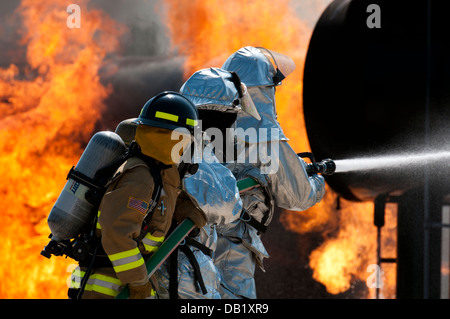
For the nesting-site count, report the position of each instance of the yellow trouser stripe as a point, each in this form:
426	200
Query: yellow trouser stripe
106	285
166	116
103	284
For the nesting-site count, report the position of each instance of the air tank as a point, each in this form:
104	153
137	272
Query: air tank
126	129
72	210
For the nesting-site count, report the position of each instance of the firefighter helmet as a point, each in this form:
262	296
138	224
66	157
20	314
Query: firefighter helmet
169	110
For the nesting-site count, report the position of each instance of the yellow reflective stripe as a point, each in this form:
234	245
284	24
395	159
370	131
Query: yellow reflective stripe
124	254
150	249
76	277
98	217
191	122
166	116
129	266
106	285
102	290
154	238
109	279
126	260
75	284
151	243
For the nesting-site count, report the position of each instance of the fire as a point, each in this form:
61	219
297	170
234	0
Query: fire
48	110
206	33
349	251
49	107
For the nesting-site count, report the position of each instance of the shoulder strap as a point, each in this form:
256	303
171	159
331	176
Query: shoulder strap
156	174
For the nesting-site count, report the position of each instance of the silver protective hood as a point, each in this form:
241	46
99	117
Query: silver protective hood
261	70
215	89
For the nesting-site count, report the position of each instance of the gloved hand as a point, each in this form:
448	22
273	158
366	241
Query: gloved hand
141	291
186	209
319	183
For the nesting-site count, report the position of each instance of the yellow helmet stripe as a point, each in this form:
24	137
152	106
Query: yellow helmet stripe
191	122
166	116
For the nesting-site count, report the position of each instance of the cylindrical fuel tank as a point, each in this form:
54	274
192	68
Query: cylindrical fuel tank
72	210
376	83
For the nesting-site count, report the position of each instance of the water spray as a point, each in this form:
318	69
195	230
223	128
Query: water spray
329	166
383	162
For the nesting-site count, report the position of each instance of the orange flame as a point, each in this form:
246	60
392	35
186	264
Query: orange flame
47	112
206	33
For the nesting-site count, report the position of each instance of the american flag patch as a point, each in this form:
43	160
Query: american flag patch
137	204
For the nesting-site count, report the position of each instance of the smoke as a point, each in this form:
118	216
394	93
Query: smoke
146	34
143	67
135	79
11	52
309	11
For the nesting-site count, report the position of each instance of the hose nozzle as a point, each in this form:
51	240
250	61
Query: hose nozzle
325	167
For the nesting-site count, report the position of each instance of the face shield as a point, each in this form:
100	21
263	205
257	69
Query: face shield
166	146
282	64
261	70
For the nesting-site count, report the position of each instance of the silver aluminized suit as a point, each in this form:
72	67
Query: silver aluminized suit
212	189
282	181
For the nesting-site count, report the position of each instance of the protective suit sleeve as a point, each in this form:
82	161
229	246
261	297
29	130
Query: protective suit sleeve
293	189
214	191
186	209
121	214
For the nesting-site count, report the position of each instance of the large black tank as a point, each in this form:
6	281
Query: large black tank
379	91
386	91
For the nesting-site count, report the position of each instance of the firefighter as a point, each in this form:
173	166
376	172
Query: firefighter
147	183
218	95
282	181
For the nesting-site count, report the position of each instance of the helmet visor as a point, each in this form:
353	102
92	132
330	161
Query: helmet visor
247	104
281	62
